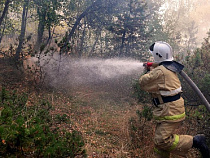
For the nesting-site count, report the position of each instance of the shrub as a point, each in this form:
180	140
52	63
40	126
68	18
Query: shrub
140	127
197	66
139	94
29	131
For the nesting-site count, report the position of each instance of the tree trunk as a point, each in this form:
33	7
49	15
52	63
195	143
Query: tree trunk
41	27
49	35
2	32
6	7
93	47
23	29
122	44
82	41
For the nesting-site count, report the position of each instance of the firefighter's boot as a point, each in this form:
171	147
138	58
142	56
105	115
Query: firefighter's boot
199	142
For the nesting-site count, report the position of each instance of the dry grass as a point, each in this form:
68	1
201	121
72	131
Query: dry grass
103	122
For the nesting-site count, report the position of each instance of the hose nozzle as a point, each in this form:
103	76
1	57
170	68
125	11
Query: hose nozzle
147	65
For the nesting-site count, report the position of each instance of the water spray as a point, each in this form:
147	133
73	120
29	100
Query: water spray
113	77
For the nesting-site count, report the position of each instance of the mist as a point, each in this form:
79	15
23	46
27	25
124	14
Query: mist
111	77
186	13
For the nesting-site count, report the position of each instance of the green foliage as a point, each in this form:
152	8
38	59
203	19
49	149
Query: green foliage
146	113
29	131
197	59
199	118
131	28
139	94
42	47
64	44
62	118
140	128
197	67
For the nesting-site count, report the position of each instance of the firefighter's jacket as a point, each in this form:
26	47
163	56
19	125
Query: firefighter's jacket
163	82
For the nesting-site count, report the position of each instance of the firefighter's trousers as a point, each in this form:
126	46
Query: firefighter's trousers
167	142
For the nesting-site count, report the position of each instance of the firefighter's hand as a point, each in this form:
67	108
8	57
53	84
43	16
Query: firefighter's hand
146	68
151	68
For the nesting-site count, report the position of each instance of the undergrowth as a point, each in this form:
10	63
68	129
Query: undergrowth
30	130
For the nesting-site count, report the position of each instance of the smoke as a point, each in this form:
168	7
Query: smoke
113	77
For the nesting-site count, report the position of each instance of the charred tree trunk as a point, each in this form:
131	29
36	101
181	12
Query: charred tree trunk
6	7
23	29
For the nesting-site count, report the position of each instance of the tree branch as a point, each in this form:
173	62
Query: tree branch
86	12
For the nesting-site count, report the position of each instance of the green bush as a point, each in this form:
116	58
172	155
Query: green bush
140	94
197	66
140	127
29	131
145	114
199	121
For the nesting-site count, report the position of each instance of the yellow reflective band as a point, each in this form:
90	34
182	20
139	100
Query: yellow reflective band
176	141
165	153
174	117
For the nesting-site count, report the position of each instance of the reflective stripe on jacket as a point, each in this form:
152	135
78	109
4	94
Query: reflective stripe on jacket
161	81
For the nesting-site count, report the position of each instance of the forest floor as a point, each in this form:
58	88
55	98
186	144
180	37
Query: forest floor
106	125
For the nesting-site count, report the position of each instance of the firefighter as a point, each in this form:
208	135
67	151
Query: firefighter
169	111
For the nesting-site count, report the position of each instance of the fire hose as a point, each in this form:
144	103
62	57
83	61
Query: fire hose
177	67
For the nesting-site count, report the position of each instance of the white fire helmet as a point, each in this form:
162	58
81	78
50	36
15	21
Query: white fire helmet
161	51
